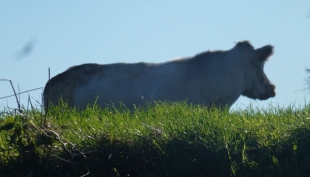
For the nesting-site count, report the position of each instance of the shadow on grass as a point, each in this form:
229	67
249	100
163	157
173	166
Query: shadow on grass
175	158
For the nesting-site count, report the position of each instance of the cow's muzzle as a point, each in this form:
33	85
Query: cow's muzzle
270	91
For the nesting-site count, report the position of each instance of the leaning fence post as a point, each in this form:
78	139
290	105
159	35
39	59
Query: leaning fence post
18	104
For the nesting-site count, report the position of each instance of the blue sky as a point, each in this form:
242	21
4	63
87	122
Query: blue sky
35	35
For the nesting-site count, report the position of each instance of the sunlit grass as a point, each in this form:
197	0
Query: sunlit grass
163	139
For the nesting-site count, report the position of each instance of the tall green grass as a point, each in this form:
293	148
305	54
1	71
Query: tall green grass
163	139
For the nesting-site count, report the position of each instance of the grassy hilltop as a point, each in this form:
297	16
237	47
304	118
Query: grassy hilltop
165	139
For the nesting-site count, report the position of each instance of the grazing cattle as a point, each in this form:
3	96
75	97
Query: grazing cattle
210	78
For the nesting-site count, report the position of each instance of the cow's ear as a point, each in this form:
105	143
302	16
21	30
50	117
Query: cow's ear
245	44
264	53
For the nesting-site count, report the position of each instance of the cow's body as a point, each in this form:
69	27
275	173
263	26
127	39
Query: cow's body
211	78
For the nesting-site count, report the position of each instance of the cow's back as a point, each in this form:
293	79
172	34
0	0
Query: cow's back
128	83
84	83
186	79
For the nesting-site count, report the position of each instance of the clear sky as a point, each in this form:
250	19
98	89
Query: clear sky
35	35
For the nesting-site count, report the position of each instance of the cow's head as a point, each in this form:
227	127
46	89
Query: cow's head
256	83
